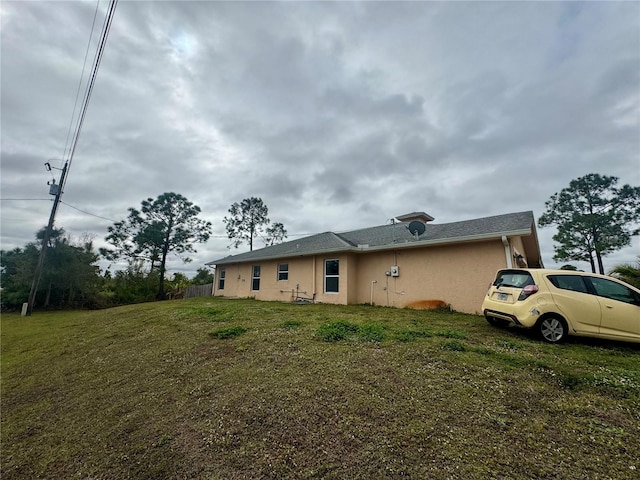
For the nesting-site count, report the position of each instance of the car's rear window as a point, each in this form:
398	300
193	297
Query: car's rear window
513	278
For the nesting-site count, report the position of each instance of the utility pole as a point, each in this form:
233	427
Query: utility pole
55	189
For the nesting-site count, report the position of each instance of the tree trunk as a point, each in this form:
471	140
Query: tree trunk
165	251
47	298
161	295
251	233
593	264
597	249
600	265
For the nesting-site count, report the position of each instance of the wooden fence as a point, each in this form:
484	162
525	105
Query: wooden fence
199	291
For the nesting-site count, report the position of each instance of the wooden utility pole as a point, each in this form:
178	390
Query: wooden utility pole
45	240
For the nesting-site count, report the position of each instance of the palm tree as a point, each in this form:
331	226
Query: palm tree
628	273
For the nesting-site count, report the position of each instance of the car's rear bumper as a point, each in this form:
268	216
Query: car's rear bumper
525	314
501	315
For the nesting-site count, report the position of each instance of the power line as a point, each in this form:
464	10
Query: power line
67	164
88	213
23	199
65	203
84	64
112	220
96	65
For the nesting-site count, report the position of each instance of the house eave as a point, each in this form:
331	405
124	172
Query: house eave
392	246
444	241
231	260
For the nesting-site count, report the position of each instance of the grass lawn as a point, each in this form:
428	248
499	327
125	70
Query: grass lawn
233	389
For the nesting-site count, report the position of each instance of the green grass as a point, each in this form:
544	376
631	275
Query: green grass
229	332
221	388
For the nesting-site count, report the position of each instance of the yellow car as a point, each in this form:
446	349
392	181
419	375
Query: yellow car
557	303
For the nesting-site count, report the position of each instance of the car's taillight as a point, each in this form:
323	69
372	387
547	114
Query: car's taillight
528	291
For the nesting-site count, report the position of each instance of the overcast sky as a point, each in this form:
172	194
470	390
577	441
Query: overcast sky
339	115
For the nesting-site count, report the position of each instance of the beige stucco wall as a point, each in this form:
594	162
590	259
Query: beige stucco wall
238	279
456	274
305	272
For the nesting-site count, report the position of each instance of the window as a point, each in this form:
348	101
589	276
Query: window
283	271
569	282
331	276
614	291
513	278
221	278
255	278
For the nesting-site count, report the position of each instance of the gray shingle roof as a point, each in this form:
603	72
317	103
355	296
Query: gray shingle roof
391	236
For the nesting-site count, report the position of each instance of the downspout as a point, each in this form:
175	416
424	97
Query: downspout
373	282
507	251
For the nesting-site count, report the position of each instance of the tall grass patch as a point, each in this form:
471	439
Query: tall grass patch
230	332
346	331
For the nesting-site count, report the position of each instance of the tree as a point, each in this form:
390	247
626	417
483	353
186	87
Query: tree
135	284
17	267
569	267
177	285
593	217
70	277
168	224
133	242
203	277
248	220
276	233
628	273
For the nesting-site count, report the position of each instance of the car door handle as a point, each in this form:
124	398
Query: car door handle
609	306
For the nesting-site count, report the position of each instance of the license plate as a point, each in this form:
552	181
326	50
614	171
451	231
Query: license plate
503	297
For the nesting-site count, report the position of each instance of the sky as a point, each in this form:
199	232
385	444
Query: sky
338	115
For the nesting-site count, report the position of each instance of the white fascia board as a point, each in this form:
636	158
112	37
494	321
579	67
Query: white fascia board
395	246
231	260
446	241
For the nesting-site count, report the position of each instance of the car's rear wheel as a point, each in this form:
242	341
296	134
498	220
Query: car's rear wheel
553	329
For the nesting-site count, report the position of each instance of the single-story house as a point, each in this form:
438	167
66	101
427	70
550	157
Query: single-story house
410	262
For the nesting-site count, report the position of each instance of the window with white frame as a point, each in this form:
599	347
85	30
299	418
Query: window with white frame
332	276
221	277
255	278
283	271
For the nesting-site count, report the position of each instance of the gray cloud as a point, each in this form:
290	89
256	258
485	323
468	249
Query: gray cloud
339	115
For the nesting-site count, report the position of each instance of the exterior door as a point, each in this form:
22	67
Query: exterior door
620	308
578	306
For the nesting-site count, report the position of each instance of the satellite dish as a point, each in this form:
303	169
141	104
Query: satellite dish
416	228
